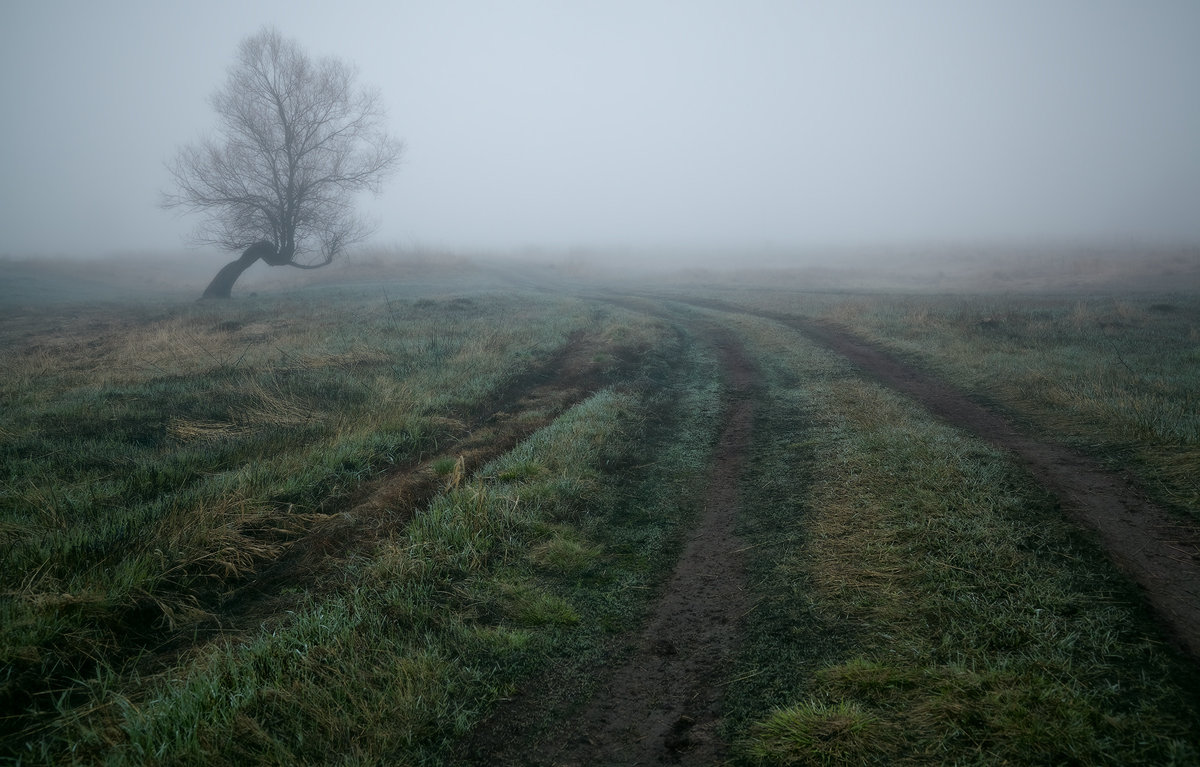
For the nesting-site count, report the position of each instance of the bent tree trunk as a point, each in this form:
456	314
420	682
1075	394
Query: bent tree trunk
222	284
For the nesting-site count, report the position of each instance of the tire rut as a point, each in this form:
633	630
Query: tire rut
1158	550
1145	541
388	502
662	705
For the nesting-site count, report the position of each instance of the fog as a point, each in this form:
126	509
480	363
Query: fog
641	126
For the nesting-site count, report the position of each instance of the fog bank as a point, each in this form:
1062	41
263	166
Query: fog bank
666	126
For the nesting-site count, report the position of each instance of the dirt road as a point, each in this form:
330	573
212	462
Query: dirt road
662	705
1150	545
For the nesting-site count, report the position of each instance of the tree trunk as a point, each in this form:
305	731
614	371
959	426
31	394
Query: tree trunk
222	284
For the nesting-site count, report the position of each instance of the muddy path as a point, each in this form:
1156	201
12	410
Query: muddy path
1150	545
661	702
1155	548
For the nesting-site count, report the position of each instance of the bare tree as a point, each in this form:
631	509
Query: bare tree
297	140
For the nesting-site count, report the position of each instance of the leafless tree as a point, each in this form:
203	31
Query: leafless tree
298	138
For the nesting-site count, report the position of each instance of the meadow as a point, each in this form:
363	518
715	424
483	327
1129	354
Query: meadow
357	522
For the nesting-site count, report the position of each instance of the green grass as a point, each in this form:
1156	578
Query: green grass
920	601
916	598
525	570
428	631
156	455
822	733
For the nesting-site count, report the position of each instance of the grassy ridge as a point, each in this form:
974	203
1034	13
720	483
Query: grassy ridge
423	636
921	601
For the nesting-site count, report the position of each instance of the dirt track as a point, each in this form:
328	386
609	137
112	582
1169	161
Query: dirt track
1145	541
1158	550
662	705
388	502
313	556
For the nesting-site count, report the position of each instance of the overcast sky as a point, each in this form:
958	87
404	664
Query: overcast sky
640	123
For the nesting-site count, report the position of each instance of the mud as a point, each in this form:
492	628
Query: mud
1158	550
663	704
386	504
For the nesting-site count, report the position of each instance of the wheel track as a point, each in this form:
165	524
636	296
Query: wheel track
662	703
1158	550
389	502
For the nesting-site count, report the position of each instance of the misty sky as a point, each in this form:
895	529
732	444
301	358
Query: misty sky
644	123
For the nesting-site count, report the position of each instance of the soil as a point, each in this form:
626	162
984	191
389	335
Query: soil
1155	548
662	703
1158	550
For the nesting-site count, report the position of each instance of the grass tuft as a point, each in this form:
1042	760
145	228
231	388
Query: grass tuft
565	554
816	733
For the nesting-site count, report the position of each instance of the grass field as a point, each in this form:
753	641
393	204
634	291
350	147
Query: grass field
358	523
